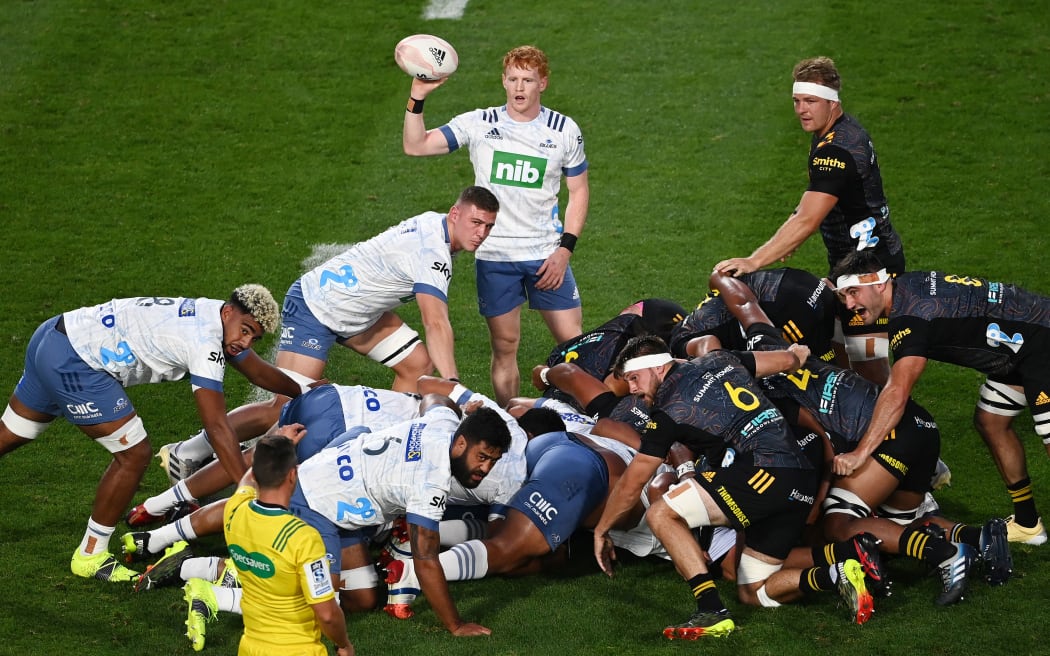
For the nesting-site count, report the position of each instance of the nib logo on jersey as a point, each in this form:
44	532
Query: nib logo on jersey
515	170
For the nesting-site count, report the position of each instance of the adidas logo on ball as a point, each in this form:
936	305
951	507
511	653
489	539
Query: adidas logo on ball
438	55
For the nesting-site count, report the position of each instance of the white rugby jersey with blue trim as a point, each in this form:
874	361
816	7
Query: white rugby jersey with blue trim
375	477
349	292
522	163
505	477
151	339
376	408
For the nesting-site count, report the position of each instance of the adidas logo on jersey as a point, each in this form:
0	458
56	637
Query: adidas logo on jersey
856	320
1042	399
438	54
493	134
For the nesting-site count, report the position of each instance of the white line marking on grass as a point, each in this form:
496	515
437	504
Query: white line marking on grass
320	254
452	9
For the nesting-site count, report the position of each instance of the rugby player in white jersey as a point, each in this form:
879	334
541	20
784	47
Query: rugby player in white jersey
355	486
520	150
351	300
79	363
326	412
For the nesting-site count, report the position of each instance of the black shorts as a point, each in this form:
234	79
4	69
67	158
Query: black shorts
770	504
911	450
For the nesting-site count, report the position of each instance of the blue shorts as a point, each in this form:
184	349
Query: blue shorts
503	286
567	481
335	537
56	381
321	412
301	332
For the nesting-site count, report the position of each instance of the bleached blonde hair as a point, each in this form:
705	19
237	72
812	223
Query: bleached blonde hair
257	301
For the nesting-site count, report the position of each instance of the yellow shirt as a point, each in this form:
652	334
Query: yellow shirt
283	570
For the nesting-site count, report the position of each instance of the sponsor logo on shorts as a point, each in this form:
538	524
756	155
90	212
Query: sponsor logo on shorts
86	410
733	507
287	334
922	423
814	298
1042	399
311	344
121	404
798	496
893	462
542	508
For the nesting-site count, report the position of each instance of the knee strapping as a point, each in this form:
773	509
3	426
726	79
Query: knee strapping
845	502
125	437
1001	399
753	570
395	347
27	429
360	578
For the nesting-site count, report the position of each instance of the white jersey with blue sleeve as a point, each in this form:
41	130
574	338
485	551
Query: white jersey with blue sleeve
151	339
349	292
522	163
375	477
575	422
375	408
506	476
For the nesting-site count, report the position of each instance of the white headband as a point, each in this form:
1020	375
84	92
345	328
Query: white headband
813	89
646	361
862	279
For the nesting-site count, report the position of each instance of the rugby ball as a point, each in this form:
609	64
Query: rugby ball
426	57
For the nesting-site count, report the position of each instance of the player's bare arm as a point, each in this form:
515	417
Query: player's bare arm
805	220
552	272
889	408
262	374
415	138
621	500
439	336
211	406
426	544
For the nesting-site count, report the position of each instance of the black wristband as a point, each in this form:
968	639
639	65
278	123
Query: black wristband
415	106
568	241
455	380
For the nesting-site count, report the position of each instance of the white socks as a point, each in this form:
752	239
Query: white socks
96	538
462	562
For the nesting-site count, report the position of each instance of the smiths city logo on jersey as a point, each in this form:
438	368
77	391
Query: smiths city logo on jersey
515	170
828	163
414	447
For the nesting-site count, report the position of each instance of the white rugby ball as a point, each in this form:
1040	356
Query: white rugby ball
426	57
